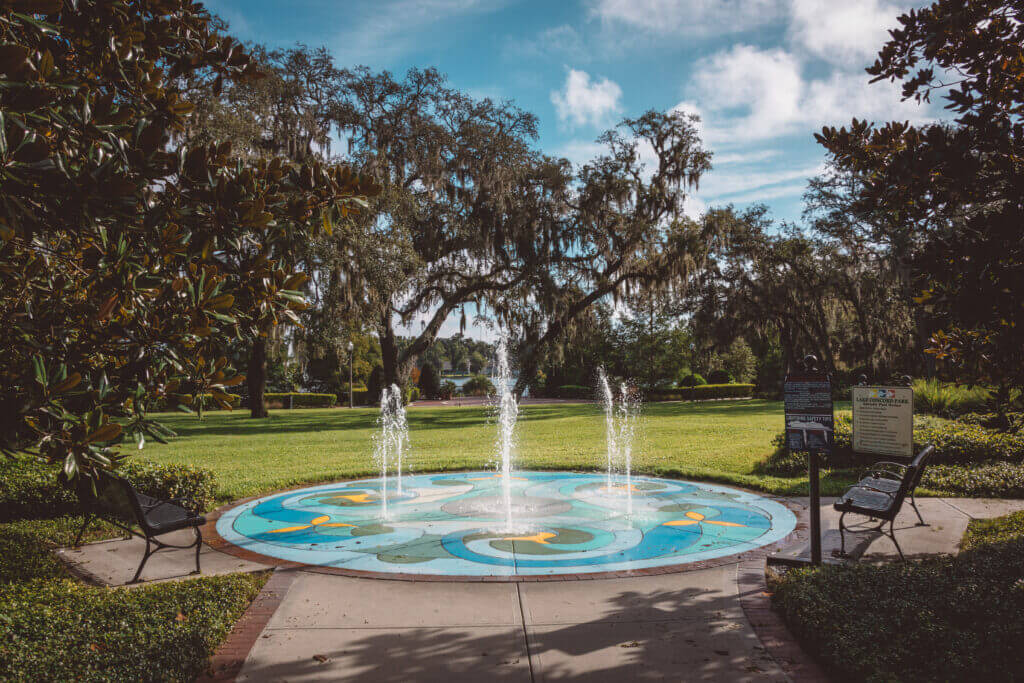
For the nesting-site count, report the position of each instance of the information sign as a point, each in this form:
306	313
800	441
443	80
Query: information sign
883	420
809	419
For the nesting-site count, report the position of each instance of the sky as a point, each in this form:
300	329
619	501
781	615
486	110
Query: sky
763	75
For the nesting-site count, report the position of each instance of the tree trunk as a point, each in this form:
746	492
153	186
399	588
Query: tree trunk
389	351
256	377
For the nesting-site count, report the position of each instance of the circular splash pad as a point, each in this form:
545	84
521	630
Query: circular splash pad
454	524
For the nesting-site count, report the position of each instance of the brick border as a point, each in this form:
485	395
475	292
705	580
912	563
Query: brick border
227	661
771	630
217	542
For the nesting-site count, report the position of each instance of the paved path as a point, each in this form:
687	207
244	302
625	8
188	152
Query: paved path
691	625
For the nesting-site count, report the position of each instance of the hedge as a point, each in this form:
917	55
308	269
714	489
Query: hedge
701	392
958	618
296	399
574	391
360	397
56	629
30	488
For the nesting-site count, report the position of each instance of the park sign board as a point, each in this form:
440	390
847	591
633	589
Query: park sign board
883	420
809	418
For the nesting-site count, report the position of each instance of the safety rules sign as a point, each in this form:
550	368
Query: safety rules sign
883	420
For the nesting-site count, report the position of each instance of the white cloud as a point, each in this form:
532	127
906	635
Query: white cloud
740	158
582	101
843	32
747	94
689	17
726	185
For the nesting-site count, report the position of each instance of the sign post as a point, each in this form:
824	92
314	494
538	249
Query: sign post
810	425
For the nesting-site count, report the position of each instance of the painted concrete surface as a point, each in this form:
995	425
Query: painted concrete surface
457	524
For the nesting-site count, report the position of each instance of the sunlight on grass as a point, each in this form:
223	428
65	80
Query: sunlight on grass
718	441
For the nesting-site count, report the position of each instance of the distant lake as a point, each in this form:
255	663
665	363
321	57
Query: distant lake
461	381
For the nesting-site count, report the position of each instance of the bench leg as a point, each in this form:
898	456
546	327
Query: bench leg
78	538
199	546
913	504
842	536
892	535
142	564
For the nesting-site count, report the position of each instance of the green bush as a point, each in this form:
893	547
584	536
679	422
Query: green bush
62	630
574	391
1012	421
984	480
360	397
948	400
692	380
478	385
701	392
295	399
411	394
447	390
719	377
945	619
30	488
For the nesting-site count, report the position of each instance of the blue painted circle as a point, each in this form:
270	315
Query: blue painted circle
455	524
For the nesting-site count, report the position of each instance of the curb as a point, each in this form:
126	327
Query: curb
771	630
226	663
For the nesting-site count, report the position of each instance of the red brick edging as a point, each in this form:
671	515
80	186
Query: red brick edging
227	661
771	630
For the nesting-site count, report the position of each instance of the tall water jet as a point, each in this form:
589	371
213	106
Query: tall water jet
608	401
391	443
508	412
629	408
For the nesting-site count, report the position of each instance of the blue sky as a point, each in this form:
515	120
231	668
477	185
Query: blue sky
764	75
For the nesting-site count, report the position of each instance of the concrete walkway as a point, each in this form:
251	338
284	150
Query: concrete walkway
688	625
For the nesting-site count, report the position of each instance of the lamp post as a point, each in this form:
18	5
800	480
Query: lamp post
350	402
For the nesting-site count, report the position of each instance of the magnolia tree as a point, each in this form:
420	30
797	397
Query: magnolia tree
128	262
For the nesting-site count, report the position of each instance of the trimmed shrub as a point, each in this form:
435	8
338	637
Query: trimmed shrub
411	394
701	392
985	480
692	380
296	399
63	630
958	618
447	390
719	377
430	381
30	488
574	391
359	396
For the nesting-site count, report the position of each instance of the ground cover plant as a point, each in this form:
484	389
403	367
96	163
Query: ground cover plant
947	618
54	628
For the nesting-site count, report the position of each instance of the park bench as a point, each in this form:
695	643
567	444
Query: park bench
880	494
115	500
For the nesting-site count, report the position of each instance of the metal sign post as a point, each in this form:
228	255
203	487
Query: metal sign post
809	429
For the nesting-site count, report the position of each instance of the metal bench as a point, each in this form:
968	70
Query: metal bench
115	500
880	494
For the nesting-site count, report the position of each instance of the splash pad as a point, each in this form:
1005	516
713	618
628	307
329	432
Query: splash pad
456	525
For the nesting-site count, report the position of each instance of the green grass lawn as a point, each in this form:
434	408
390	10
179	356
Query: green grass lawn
719	441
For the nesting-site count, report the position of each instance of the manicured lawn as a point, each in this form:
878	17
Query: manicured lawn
720	441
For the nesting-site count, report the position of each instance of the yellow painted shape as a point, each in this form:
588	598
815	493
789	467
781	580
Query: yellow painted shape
541	537
356	497
320	520
288	528
337	524
695	515
681	522
711	521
